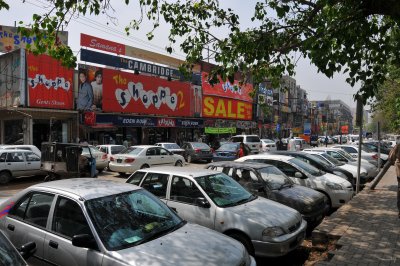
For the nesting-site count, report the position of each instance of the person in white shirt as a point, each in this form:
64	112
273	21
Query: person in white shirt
292	145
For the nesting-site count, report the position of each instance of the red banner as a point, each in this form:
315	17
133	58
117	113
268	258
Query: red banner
102	44
49	83
217	107
226	89
344	129
130	93
90	118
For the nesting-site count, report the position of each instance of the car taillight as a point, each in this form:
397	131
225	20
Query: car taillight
104	157
129	160
112	159
197	150
375	157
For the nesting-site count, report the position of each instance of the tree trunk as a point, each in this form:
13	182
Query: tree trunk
380	175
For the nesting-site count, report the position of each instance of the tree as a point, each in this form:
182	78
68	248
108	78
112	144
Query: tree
357	37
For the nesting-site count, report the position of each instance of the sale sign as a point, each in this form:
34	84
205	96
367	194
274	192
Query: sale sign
130	93
49	83
226	89
217	107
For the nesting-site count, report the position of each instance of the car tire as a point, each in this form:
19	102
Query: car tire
5	177
209	160
244	240
328	202
179	163
189	158
144	166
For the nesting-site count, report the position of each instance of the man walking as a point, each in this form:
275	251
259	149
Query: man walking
394	157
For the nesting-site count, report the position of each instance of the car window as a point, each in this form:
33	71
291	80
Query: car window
274	177
151	152
132	150
31	157
163	151
156	183
288	169
252	139
33	208
184	190
349	149
246	178
200	145
229	147
117	149
15	157
135	178
103	149
68	219
3	157
306	167
171	146
237	139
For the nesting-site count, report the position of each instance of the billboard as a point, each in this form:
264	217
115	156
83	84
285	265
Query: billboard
226	89
131	93
89	94
217	107
12	79
11	40
50	85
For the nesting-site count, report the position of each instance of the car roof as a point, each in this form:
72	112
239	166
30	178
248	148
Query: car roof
269	156
166	143
109	145
145	146
86	188
185	171
14	150
254	165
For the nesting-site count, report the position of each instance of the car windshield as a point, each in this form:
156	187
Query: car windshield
268	141
171	146
306	167
228	147
92	150
223	190
319	161
252	139
200	145
331	159
8	254
346	155
132	150
274	177
131	218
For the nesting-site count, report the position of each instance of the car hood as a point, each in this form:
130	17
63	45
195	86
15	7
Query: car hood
185	246
353	169
297	197
267	213
327	177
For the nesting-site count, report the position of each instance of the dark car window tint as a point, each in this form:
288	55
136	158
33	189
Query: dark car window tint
3	157
349	149
117	149
237	139
69	219
184	190
287	168
252	139
156	183
34	208
15	157
135	178
103	149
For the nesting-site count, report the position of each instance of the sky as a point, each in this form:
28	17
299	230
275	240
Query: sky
317	85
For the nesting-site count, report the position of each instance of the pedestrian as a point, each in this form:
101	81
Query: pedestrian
292	144
326	141
241	150
394	157
125	143
279	144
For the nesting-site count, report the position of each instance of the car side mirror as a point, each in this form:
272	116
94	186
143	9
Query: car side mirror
202	202
27	250
260	188
84	241
299	175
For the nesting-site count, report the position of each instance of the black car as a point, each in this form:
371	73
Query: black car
324	166
196	151
269	182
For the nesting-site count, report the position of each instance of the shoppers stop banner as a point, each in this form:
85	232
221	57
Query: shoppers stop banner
217	107
226	89
130	93
49	83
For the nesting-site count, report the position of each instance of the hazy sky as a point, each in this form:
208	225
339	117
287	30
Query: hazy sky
318	86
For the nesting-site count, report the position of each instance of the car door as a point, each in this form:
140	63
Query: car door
32	163
69	220
28	219
155	183
183	198
15	162
290	171
166	157
153	156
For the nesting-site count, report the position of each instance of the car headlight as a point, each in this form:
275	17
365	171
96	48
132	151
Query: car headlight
334	186
273	231
340	174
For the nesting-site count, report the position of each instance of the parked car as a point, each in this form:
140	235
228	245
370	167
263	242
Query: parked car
253	141
268	145
89	221
18	163
216	201
373	146
314	142
320	164
172	147
337	190
32	148
269	182
367	154
197	151
229	152
143	156
301	144
99	156
9	255
110	150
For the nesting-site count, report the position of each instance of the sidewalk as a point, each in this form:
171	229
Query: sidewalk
367	229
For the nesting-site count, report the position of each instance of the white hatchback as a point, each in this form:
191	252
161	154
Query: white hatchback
337	190
143	156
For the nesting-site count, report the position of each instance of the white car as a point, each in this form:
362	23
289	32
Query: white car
172	147
32	148
337	190
99	156
217	201
110	149
253	141
143	156
268	145
371	157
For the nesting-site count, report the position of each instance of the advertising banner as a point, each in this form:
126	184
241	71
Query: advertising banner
11	40
102	44
89	94
195	100
127	121
226	89
12	86
307	128
225	108
166	122
189	123
131	93
49	83
344	129
219	130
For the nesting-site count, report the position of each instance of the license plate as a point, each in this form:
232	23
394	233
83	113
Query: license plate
119	160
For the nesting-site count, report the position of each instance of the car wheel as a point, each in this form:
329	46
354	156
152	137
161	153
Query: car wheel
189	158
244	240
328	202
145	166
5	177
179	163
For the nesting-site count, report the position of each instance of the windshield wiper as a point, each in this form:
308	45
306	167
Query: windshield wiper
252	197
161	233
